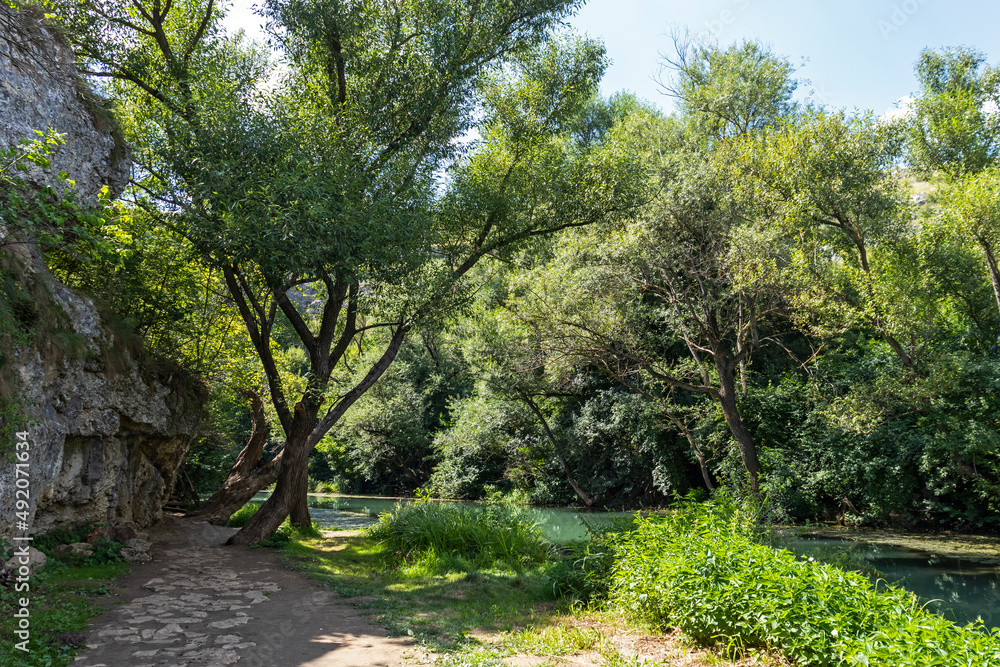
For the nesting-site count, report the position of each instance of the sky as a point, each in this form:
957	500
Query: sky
855	54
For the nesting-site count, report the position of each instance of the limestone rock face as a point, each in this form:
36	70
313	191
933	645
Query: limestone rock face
106	436
39	88
105	444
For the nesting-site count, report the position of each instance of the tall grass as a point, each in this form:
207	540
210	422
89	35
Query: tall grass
704	571
243	514
484	536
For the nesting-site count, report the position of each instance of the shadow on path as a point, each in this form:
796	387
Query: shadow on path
198	603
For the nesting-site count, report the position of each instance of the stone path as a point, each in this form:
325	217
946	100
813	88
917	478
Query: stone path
198	603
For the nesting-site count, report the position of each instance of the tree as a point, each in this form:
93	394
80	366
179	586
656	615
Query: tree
676	305
955	130
679	295
973	207
954	127
330	181
728	92
836	194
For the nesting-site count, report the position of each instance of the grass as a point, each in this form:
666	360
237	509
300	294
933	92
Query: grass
468	609
63	598
473	537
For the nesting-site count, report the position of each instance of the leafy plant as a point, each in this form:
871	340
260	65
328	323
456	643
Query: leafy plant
484	536
243	514
701	570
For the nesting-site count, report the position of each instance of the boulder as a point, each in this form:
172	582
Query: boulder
77	549
122	532
133	555
138	544
36	563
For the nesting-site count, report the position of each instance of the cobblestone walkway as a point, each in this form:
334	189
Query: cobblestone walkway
201	604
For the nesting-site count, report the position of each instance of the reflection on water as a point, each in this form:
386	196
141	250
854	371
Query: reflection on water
958	589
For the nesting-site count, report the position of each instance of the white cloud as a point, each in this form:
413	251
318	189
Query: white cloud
901	109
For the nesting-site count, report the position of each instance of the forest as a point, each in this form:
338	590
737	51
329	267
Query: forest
407	250
420	254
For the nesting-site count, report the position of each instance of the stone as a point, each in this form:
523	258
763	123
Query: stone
138	544
36	560
75	550
122	532
11	570
135	555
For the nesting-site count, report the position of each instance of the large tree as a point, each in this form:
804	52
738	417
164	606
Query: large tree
326	178
954	126
673	303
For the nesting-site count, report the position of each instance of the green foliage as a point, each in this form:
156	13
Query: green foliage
386	438
729	92
62	604
50	217
585	573
243	514
104	551
701	569
952	129
482	536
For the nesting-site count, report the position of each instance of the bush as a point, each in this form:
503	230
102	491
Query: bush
484	536
585	572
103	550
701	570
243	514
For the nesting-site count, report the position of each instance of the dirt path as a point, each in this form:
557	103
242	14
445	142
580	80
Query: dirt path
198	603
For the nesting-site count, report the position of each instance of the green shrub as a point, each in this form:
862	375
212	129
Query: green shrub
281	537
585	572
702	570
103	550
243	514
484	536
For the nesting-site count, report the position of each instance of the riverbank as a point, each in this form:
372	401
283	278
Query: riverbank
490	617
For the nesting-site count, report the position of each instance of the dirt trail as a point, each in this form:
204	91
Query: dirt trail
198	603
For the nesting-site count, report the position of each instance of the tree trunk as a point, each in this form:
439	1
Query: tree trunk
243	482
303	434
695	449
730	410
299	514
991	263
587	500
237	492
292	483
294	474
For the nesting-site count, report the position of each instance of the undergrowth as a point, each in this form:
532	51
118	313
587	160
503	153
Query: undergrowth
483	536
63	596
703	569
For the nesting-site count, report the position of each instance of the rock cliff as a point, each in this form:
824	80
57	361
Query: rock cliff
40	88
107	430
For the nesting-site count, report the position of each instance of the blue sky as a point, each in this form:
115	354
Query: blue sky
856	53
